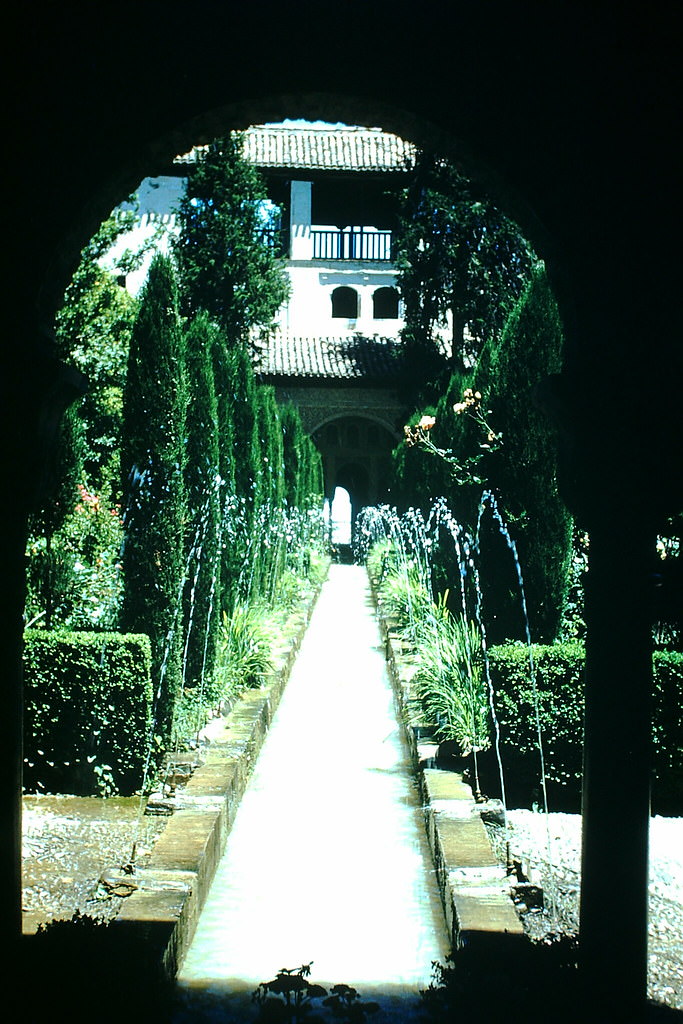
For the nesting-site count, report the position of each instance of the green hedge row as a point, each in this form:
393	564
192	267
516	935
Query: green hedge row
559	686
88	712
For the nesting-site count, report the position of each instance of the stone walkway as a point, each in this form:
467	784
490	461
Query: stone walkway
327	860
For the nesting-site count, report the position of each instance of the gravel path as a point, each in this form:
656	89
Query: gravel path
531	837
67	843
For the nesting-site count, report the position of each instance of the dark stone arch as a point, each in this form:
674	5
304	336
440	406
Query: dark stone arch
543	114
97	196
360	446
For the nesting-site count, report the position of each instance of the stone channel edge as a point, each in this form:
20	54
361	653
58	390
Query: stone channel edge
475	891
162	913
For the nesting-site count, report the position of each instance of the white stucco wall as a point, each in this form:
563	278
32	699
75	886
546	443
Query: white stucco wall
301	242
157	201
309	310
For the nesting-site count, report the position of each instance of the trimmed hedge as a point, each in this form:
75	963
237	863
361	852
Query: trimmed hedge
88	711
559	685
667	728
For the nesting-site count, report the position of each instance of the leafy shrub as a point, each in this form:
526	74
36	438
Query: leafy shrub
380	558
667	721
289	589
74	577
318	564
559	689
559	686
406	600
450	680
88	711
244	650
297	583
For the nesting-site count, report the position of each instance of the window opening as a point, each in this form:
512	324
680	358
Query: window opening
385	304
345	303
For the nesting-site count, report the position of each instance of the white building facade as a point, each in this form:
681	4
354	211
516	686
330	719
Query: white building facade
334	350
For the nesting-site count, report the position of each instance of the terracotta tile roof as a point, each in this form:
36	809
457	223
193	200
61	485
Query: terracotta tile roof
356	358
356	149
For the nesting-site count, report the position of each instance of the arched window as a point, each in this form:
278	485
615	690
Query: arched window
385	304
345	303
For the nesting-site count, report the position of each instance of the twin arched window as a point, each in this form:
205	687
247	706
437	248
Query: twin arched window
384	303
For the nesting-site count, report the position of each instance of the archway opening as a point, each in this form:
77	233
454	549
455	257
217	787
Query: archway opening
340	517
519	135
352	490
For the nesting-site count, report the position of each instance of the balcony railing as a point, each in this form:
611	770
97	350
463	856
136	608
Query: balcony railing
351	244
274	239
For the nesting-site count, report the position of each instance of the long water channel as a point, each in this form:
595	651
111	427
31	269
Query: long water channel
327	860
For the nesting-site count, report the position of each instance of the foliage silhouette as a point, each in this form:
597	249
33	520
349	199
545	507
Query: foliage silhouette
289	997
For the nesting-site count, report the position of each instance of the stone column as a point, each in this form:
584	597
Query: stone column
301	246
617	769
611	469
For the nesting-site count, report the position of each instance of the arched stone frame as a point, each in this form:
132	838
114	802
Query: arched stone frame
131	168
600	284
352	438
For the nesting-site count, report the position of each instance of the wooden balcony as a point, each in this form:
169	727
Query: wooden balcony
360	243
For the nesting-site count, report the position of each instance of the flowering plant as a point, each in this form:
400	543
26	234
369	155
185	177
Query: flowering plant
77	576
463	471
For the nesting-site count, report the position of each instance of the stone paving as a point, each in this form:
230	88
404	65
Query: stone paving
327	860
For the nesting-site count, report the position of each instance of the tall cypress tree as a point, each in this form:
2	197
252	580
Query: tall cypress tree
241	461
204	498
269	429
458	258
222	375
312	483
524	471
244	402
270	556
294	456
233	523
228	265
155	401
